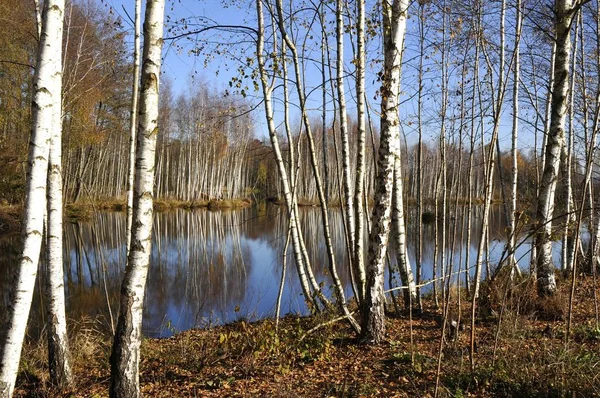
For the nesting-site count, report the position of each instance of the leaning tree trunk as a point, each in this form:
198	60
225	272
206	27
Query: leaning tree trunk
394	27
346	180
47	88
267	92
125	357
546	280
338	288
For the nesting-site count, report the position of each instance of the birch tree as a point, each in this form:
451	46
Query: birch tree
133	118
346	182
564	11
125	357
394	26
267	92
47	89
515	132
58	347
359	263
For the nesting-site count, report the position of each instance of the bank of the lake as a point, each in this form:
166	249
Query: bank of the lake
210	268
244	359
10	215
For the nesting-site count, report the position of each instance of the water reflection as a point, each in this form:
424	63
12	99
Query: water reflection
213	267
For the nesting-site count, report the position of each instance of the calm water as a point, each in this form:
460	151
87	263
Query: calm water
215	267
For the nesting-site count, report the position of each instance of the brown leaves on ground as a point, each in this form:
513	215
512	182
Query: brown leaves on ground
517	353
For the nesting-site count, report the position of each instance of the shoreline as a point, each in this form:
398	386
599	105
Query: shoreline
312	356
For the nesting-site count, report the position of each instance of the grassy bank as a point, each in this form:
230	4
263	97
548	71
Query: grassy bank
10	216
530	358
84	209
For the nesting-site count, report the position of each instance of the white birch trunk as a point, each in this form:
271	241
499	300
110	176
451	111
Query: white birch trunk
133	118
546	279
394	27
346	181
125	357
567	153
47	88
359	263
338	288
512	212
58	348
404	268
287	193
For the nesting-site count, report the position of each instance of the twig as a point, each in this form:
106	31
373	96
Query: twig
319	326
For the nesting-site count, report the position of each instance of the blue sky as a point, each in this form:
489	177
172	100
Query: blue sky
179	65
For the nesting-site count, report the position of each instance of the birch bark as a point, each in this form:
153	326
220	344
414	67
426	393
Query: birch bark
359	263
58	347
346	181
394	27
47	88
267	90
512	212
133	119
546	279
125	357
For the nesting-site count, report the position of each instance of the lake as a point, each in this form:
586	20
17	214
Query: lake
210	267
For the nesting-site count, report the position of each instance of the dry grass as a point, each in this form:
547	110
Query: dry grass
530	358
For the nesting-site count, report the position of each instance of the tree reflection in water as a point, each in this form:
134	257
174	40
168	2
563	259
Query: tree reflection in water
215	267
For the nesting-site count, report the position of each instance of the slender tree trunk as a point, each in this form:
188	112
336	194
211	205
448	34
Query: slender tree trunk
338	288
512	212
133	119
346	181
567	153
394	27
546	280
359	263
498	100
399	231
419	249
125	357
47	89
267	90
58	346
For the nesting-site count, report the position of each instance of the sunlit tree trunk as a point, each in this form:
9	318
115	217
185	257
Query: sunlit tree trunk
567	153
338	288
399	233
125	357
133	118
498	93
324	136
512	211
58	346
394	27
547	117
546	280
47	89
359	264
346	181
267	91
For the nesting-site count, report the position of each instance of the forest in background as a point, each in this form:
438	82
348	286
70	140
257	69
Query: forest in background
449	87
206	130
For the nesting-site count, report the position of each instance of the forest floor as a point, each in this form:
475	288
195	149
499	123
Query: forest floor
521	350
